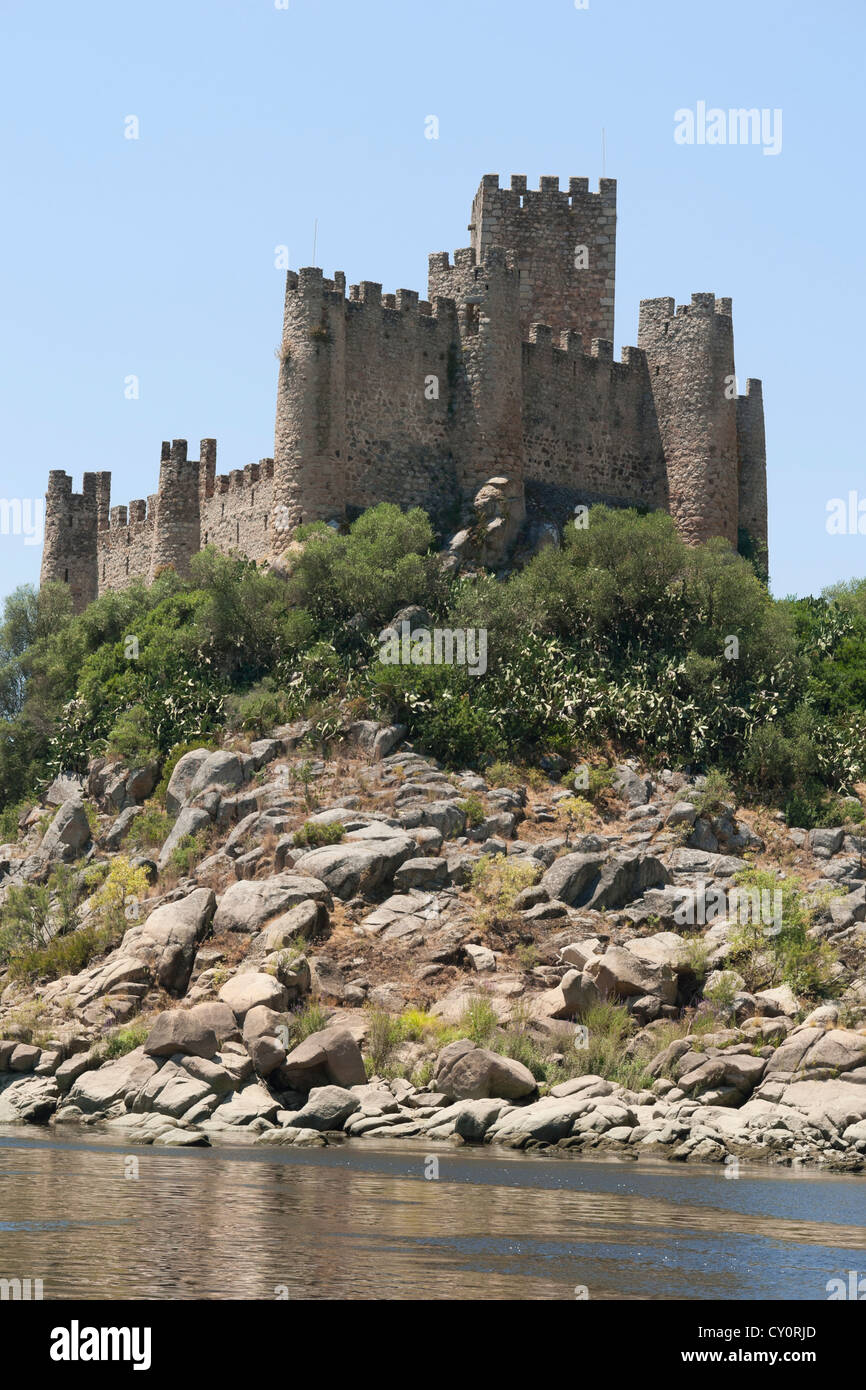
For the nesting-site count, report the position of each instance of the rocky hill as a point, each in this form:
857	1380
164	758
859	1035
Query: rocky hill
291	942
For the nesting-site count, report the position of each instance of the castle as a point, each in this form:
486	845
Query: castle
505	370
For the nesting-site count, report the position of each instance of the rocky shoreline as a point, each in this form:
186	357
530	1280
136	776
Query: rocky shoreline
439	971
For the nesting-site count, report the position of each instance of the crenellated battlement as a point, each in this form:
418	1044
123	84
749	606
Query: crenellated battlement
505	369
520	197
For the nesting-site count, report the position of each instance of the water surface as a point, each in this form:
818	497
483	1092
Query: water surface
357	1222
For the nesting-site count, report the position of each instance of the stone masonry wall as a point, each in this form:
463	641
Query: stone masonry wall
589	423
544	229
505	370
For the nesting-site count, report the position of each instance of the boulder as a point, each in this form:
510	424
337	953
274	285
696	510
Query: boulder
262	1040
571	998
246	991
24	1058
97	1091
466	1072
182	778
327	1107
171	1091
475	1117
248	904
350	869
329	1057
243	1106
191	820
630	787
665	948
547	1120
220	771
180	1030
622	975
593	881
29	1100
69	831
166	942
219	1018
113	838
421	873
305	922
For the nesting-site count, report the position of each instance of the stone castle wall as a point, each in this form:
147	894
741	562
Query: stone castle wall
506	369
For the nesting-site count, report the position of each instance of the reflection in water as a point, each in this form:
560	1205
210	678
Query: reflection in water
354	1222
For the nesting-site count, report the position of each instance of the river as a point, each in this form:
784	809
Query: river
96	1220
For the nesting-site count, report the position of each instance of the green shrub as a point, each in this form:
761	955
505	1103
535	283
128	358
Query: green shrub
495	883
311	1018
315	833
715	793
125	1040
473	809
479	1021
150	829
188	851
132	736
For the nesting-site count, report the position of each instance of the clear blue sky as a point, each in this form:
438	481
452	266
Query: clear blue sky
155	257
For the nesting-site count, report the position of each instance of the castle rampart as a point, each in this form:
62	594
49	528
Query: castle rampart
505	370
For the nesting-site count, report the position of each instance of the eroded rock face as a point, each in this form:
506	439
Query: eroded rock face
764	1087
167	941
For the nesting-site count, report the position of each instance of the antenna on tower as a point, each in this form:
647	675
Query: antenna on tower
602	151
315	239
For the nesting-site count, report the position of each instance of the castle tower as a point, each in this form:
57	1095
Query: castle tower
310	427
490	435
690	355
753	471
69	554
564	247
177	529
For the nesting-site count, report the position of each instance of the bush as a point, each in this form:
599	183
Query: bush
311	1018
787	954
188	851
132	736
150	829
473	809
715	793
495	883
35	914
479	1021
315	833
125	1040
616	640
